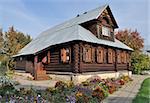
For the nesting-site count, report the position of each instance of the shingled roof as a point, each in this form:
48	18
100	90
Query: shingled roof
70	31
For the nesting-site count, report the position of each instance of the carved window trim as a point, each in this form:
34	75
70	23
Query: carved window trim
118	56
93	54
87	54
125	57
128	57
44	58
106	31
65	54
110	56
100	55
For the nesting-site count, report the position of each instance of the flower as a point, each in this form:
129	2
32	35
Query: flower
79	94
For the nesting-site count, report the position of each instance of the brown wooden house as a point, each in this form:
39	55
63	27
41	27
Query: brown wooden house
83	44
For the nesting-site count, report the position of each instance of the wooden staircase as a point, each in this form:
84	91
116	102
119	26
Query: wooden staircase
40	73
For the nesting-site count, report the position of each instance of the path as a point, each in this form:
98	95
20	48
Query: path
25	83
128	92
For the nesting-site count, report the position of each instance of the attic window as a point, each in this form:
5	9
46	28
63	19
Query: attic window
105	31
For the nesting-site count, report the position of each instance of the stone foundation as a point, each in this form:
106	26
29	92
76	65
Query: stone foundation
78	78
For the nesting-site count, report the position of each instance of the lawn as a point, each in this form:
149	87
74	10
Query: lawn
143	95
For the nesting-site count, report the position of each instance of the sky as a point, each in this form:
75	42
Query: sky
34	16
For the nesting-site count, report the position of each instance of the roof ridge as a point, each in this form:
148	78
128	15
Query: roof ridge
103	6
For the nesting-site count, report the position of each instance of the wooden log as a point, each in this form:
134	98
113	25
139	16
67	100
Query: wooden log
76	58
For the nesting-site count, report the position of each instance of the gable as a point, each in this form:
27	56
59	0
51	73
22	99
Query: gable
107	17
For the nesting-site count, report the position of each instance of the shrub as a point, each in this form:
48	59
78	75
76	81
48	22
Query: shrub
140	62
98	92
60	85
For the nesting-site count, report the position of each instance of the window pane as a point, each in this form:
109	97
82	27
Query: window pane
105	31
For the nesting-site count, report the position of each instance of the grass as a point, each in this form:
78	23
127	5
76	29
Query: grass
143	95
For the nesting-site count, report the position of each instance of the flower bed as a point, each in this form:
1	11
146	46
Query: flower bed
92	90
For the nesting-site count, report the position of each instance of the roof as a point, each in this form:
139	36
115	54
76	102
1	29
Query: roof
69	31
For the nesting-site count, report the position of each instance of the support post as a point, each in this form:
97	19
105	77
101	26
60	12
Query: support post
35	67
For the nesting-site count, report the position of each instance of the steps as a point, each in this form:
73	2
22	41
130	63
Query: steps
40	73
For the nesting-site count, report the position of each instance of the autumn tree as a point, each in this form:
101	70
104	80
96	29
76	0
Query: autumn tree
131	38
139	61
12	43
1	45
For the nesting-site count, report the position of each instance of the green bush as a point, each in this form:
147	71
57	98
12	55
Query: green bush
140	62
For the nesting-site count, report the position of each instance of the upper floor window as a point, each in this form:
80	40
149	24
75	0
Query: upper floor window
105	31
65	55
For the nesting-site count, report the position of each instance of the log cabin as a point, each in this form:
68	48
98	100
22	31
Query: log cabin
84	44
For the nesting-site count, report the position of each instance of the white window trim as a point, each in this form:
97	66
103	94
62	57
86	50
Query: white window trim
105	31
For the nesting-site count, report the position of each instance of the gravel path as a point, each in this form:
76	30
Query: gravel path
128	92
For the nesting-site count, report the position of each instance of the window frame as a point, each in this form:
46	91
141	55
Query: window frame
87	54
110	55
119	56
105	31
64	53
100	55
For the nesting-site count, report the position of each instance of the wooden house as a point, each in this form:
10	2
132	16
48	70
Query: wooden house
84	44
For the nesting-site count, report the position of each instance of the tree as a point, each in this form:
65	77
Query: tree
131	38
1	38
12	43
139	61
1	46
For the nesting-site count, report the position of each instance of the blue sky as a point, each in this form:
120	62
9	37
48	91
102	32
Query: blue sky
34	16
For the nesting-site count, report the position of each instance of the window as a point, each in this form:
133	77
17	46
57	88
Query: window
93	54
105	55
118	56
100	55
122	57
110	56
87	54
44	60
125	57
105	31
21	58
48	57
65	55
